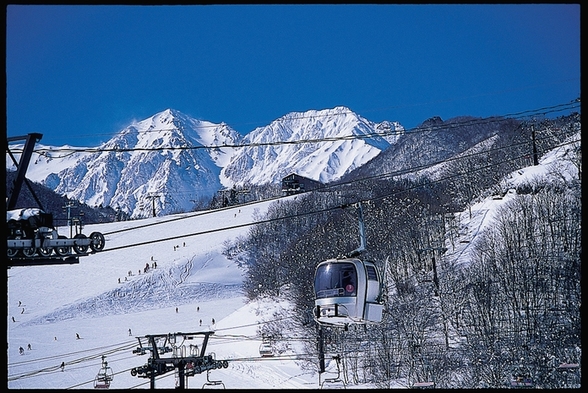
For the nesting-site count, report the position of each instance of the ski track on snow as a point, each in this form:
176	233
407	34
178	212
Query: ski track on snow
156	289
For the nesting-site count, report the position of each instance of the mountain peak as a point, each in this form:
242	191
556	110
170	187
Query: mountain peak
435	120
333	153
314	113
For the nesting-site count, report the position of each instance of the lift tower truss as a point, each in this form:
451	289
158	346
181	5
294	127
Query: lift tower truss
188	362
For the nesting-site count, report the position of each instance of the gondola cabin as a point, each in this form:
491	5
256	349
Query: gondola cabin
347	291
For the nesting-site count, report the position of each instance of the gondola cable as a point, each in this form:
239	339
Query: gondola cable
324	210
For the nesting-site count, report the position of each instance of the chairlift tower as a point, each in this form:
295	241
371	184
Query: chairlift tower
186	365
153	196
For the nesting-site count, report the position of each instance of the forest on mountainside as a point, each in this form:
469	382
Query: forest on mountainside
510	314
35	195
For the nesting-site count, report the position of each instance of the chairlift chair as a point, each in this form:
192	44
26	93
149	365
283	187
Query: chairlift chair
265	350
212	384
104	376
334	380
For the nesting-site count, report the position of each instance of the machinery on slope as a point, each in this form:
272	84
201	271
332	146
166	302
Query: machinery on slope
32	239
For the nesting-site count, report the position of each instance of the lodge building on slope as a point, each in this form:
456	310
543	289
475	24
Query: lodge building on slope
295	184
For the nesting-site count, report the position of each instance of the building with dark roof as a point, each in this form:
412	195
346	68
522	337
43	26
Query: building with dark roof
295	184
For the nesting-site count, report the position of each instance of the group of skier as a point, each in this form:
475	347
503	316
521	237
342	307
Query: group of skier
147	266
21	350
145	270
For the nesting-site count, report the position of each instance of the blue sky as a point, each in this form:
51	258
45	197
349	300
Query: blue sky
79	74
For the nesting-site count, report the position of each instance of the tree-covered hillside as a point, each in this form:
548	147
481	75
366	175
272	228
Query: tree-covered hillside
51	202
510	312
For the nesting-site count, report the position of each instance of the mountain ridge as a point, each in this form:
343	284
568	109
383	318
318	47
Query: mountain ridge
171	161
332	135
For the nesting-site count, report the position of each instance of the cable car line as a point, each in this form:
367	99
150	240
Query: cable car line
124	348
329	209
56	368
189	215
331	115
518	115
272	358
338	184
327	188
441	161
119	346
334	184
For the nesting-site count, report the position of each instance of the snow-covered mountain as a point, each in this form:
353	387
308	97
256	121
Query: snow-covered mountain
159	162
321	145
136	169
170	161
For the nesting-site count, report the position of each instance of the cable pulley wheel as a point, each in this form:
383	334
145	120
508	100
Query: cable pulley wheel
98	241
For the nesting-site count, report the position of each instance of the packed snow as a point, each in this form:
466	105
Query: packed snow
110	301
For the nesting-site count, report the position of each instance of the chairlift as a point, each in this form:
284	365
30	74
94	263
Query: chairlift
334	380
104	376
212	384
266	350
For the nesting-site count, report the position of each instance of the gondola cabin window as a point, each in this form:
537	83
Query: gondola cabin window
336	280
373	284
